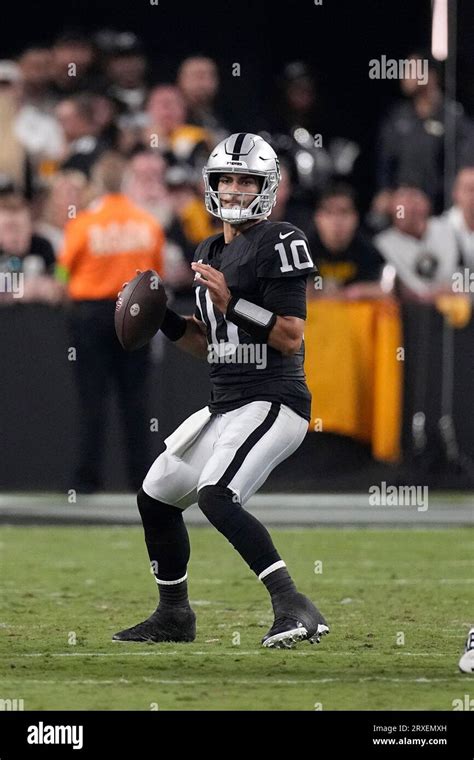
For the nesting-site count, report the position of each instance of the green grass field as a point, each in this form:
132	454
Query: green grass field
398	602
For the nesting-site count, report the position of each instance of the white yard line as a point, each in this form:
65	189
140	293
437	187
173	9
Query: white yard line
213	653
237	681
401	581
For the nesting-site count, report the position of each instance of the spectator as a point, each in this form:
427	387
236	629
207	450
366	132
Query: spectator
198	81
35	128
301	134
36	70
421	249
299	100
349	264
76	116
187	195
26	253
73	57
167	129
287	208
106	115
62	201
461	215
125	69
144	183
145	186
14	165
410	146
103	247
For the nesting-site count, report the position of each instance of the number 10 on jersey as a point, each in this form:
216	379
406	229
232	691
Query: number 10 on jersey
299	254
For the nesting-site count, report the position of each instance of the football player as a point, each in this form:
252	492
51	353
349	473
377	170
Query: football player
250	286
466	663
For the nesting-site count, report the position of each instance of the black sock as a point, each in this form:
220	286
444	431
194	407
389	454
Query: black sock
279	582
167	542
248	536
174	595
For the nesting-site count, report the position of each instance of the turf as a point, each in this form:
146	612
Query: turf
398	601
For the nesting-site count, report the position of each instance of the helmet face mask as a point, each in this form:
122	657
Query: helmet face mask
248	154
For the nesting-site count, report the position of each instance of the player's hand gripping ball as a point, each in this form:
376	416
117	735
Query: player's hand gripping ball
140	310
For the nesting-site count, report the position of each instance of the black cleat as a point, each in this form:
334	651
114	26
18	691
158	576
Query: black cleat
296	619
166	624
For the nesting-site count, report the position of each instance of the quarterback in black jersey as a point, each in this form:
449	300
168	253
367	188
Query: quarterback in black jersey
250	265
250	287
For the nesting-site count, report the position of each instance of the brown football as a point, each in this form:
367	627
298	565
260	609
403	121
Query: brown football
140	310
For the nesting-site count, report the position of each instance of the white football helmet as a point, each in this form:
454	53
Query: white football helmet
242	153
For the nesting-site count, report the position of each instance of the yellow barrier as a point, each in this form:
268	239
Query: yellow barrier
354	369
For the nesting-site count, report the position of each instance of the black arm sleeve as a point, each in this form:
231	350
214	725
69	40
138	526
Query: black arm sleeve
285	297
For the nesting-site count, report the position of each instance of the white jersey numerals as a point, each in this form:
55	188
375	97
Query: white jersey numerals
299	254
221	333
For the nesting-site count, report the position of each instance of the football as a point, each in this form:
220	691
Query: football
140	310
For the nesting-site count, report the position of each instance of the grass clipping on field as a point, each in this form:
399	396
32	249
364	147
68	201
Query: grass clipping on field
398	602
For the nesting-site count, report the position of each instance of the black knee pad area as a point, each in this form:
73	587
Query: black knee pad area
157	511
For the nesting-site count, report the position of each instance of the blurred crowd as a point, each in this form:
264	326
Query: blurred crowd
101	174
65	107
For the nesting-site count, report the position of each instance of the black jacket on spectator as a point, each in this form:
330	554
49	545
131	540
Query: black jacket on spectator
410	150
360	262
39	259
84	153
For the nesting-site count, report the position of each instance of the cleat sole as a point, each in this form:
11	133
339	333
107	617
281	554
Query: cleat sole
323	630
289	639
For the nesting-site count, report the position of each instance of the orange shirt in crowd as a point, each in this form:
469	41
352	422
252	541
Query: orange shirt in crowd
104	246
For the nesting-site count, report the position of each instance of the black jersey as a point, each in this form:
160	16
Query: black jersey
267	264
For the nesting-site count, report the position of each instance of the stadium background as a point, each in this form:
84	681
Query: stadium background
385	580
262	39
